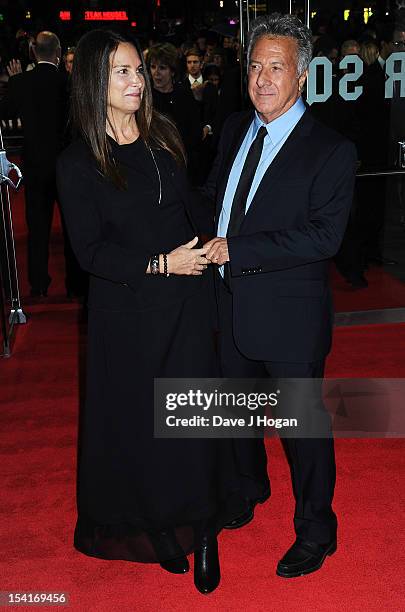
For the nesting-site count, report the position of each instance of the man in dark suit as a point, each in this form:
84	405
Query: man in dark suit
283	185
38	97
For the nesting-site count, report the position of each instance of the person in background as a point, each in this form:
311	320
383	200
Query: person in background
369	52
68	59
349	47
219	59
213	74
326	46
193	78
38	97
380	120
177	102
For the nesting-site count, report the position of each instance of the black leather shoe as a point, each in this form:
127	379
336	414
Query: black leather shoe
304	557
241	520
176	566
168	551
247	516
379	260
357	281
207	573
36	293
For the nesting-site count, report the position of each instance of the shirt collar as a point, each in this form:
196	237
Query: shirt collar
278	128
192	79
45	62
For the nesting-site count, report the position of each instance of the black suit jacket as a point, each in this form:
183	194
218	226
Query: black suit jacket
38	97
282	308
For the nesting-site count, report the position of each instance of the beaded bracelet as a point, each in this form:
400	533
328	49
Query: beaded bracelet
165	272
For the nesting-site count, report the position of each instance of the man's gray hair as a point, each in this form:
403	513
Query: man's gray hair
277	25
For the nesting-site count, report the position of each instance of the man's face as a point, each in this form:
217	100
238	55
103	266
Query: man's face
273	83
194	66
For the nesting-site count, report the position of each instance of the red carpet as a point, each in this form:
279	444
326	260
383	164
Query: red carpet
38	424
383	291
39	390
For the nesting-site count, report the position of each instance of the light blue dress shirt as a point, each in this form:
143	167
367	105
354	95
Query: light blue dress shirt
277	133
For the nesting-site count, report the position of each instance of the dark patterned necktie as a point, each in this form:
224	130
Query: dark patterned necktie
242	192
245	183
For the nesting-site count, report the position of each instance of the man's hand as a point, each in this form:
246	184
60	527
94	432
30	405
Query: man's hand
14	67
206	131
197	89
217	251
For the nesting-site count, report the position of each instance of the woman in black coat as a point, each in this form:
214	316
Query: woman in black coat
176	101
124	197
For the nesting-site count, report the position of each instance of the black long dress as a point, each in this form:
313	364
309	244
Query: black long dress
130	483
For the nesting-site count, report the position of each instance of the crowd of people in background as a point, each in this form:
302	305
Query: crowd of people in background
197	81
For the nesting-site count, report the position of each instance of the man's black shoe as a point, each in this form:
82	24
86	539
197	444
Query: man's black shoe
36	293
357	281
71	294
379	260
207	573
247	516
304	557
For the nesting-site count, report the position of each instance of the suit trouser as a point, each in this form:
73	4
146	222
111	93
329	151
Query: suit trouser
370	214
312	460
40	194
40	197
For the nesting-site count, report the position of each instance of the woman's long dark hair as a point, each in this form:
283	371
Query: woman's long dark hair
90	82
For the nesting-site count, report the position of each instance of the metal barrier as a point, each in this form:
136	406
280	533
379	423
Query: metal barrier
11	312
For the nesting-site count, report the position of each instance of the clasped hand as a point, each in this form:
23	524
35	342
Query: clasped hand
187	260
190	261
217	251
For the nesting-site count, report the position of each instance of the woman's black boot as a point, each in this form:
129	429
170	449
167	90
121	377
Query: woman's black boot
207	574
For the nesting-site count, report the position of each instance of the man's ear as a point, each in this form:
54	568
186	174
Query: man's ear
302	79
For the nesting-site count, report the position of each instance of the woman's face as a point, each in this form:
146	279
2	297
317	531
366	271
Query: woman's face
127	81
162	77
69	62
214	79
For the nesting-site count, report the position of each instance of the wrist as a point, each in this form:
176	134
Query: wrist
169	264
155	266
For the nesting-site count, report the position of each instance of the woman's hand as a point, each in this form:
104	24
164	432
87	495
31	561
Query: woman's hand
187	260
